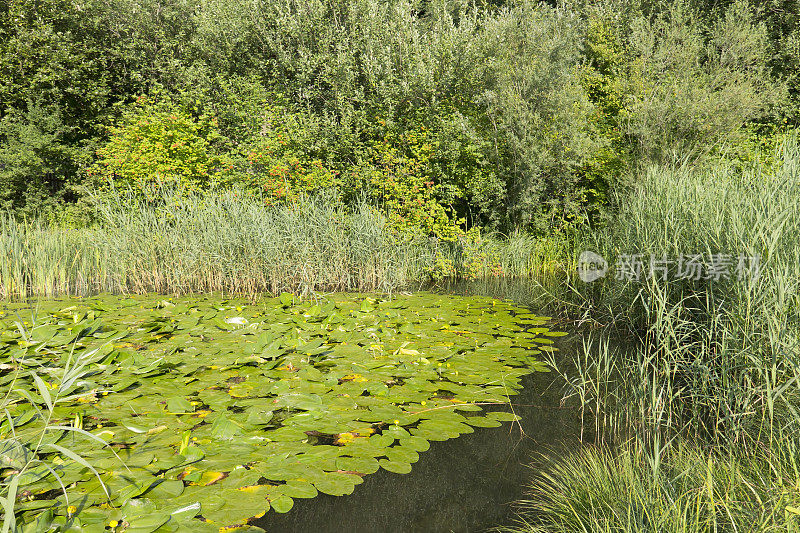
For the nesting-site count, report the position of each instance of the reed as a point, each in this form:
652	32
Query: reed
220	242
231	243
696	424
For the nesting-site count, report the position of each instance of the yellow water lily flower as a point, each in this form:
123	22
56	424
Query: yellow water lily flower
344	438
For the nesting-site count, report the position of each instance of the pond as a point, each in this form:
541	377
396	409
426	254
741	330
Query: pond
216	411
466	484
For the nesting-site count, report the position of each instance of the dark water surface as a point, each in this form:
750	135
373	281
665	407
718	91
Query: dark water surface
461	485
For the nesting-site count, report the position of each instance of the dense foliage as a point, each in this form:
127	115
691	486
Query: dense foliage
442	113
246	146
197	414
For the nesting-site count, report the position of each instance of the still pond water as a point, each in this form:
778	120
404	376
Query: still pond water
467	484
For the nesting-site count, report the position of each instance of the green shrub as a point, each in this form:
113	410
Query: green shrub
538	112
479	257
701	80
37	162
608	83
461	165
160	143
399	178
279	166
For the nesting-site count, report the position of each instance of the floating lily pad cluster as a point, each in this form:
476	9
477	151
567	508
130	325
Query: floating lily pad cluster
216	411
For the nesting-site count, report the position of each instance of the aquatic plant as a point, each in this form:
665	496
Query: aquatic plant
715	368
34	447
216	411
694	491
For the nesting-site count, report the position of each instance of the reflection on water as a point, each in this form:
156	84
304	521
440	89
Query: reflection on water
463	484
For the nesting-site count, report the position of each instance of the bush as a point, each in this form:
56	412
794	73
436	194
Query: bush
36	161
608	83
157	142
534	103
278	164
398	177
701	81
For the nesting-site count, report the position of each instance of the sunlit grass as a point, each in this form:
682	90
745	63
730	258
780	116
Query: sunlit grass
692	491
216	243
224	242
697	422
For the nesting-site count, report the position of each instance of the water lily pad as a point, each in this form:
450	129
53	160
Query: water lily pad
178	404
296	488
336	484
281	503
224	409
361	465
415	443
396	467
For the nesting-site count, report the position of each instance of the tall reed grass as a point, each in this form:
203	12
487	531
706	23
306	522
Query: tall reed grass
728	349
219	242
227	242
707	401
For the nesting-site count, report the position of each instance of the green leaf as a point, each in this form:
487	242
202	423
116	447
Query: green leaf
43	390
295	488
395	466
224	428
336	484
415	443
166	489
502	416
398	454
483	422
178	405
186	512
78	459
281	503
147	523
259	417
